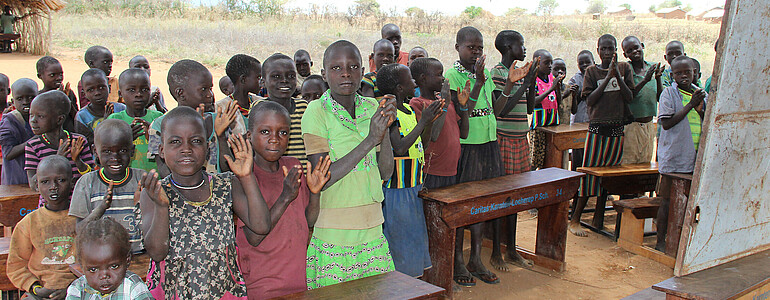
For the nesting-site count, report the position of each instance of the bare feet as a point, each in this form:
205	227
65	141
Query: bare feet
498	263
515	258
576	230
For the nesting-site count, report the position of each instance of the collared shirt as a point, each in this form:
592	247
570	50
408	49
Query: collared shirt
132	288
482	123
645	103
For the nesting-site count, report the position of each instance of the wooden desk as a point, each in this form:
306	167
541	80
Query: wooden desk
561	138
678	195
391	285
16	201
446	209
619	180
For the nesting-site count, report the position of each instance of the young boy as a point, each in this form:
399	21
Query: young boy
579	110
639	136
135	91
114	147
5	90
607	90
392	33
49	71
274	264
96	91
42	243
313	87
99	57
157	102
246	73
46	116
106	264
682	107
226	85
674	49
382	55
565	105
415	53
303	62
15	132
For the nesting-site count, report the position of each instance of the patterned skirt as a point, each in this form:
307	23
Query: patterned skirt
515	154
537	138
405	230
600	151
329	264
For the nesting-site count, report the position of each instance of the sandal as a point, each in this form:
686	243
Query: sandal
487	277
464	280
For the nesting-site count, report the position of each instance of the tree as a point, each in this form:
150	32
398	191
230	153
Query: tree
365	8
414	12
516	11
596	7
473	12
626	5
670	3
652	8
267	7
547	7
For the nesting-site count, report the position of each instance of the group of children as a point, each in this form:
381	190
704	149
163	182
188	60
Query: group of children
343	153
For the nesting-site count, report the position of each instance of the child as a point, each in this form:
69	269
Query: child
639	136
46	116
382	55
404	225
347	241
15	132
674	49
106	264
392	33
245	73
707	87
42	242
114	147
187	217
6	21
580	111
99	57
135	91
226	85
274	265
565	105
280	77
696	71
303	62
546	109
607	90
49	70
415	53
190	84
157	102
96	91
5	90
313	87
682	107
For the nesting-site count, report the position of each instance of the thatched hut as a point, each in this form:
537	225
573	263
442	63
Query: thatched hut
35	30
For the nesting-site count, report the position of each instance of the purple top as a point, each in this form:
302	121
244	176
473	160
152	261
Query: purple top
37	149
12	133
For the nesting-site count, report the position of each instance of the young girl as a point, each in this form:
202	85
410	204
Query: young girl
546	112
187	216
347	242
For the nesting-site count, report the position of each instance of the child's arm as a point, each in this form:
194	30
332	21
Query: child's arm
659	81
514	74
528	73
647	78
77	148
597	93
315	182
19	253
367	90
155	220
401	145
668	122
248	203
222	122
480	81
30	165
463	111
539	98
575	90
98	212
385	160
625	88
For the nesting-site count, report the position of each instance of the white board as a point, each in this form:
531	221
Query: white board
729	186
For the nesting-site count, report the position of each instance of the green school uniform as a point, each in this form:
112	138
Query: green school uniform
483	126
140	159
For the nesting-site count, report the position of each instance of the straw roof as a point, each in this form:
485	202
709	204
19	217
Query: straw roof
35	30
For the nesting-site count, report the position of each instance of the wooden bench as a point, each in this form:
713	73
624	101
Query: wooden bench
632	213
561	138
446	209
646	294
619	180
12	37
392	285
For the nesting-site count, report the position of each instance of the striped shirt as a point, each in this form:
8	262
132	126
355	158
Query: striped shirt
407	170
693	119
370	79
514	124
36	149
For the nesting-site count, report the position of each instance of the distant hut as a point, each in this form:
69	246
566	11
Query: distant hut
671	13
619	11
35	30
714	15
699	15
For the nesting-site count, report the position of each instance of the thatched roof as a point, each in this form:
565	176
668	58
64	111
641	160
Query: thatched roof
39	5
35	30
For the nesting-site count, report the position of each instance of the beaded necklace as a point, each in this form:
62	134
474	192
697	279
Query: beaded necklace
45	139
114	182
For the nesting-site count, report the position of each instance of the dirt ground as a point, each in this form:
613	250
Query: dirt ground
596	267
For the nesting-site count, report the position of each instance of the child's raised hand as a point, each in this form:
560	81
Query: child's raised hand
433	111
224	119
560	78
388	108
151	185
201	110
697	97
291	182
318	176
78	144
242	161
464	94
64	148
109	109
143	126
478	69
155	98
65	88
379	124
516	74
650	72
574	89
659	71
108	195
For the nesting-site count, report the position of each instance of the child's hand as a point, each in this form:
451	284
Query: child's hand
151	185
108	195
697	97
291	182
560	78
318	176
651	71
574	89
242	161
613	70
464	94
201	110
65	88
58	294
380	122
224	119
51	294
109	109
64	148
479	70
516	74
659	71
433	111
78	144
155	98
142	126
388	106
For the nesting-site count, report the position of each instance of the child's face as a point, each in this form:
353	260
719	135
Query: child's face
185	146
546	64
383	55
303	64
104	265
343	72
312	90
434	78
415	54
584	61
136	92
22	98
696	73
252	80
683	74
394	36
102	61
406	82
55	184
559	68
633	50
115	152
141	63
280	79
469	50
198	90
4	91
673	51
270	136
52	76
226	85
43	118
97	90
518	50
606	50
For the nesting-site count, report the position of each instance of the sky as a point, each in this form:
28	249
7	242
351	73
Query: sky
497	7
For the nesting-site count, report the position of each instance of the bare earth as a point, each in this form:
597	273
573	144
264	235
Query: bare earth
596	267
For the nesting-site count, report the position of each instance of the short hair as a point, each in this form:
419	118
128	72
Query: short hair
381	42
44	62
301	53
240	65
389	27
320	78
56	100
91	73
683	59
131	61
180	112
273	58
114	127
24	82
130	73
540	52
339	45
675	43
505	38
559	58
388	80
181	71
104	230
57	161
695	63
419	48
93	51
629	39
420	66
466	32
267	106
607	37
5	78
586	52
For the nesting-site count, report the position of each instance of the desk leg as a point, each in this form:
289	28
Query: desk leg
441	242
552	236
553	157
676	209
